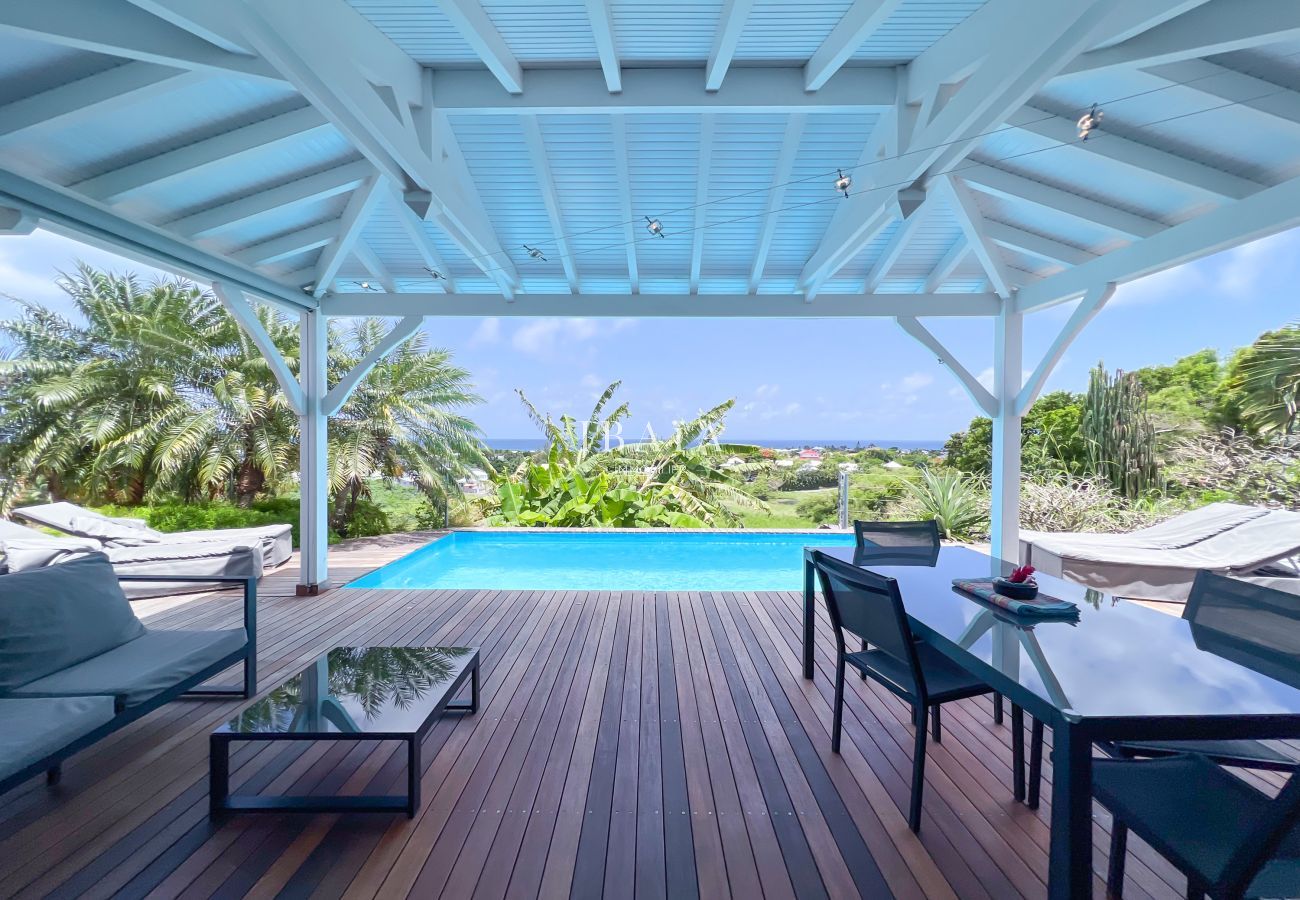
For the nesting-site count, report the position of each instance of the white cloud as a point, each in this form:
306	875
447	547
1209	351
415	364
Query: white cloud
767	390
548	338
487	332
780	412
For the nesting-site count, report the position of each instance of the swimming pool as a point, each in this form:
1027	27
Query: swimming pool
606	561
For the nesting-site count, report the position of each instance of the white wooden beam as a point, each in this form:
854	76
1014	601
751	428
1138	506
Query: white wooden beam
200	18
1271	210
718	306
14	221
971	220
946	266
285	246
313	455
117	29
602	29
242	311
1036	245
471	92
360	206
413	225
1001	183
287	195
1220	26
371	262
1148	161
104	92
703	181
978	392
550	198
1214	80
962	87
1004	512
191	159
731	22
397	335
624	177
862	20
894	249
781	177
474	25
1084	313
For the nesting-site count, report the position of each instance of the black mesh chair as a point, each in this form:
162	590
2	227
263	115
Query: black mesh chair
896	534
1228	838
1250	624
870	607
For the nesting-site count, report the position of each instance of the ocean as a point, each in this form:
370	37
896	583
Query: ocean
538	443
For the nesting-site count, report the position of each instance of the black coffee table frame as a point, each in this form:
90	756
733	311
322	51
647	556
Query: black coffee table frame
221	801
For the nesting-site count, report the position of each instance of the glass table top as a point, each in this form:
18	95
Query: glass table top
1118	660
358	690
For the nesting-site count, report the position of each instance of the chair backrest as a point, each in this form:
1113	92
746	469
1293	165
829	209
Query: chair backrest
1279	825
870	606
897	534
1249	623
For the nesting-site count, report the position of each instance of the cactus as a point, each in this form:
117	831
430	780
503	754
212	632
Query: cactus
1118	432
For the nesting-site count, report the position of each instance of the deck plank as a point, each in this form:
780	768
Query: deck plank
628	744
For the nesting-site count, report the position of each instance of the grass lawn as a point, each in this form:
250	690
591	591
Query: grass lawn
781	510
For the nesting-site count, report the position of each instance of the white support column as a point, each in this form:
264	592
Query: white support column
313	463
1008	349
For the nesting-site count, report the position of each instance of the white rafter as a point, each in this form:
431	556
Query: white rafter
550	199
1001	183
115	89
622	170
304	39
1036	245
280	248
1150	162
371	262
478	31
300	191
360	206
731	22
116	29
776	196
1235	87
725	306
858	24
961	89
1220	26
602	29
893	249
184	162
946	266
701	212
970	219
413	225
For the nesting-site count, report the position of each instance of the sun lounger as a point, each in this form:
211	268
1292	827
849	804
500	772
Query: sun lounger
25	549
1160	563
276	540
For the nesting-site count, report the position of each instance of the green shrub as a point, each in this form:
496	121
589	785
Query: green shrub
801	480
958	503
172	517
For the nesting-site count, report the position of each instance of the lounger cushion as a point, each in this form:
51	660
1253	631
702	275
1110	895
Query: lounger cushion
107	529
143	668
276	540
32	729
55	617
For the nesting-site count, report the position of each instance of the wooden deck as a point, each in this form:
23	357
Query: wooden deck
630	744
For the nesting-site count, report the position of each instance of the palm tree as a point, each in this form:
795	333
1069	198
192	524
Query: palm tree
404	418
1267	375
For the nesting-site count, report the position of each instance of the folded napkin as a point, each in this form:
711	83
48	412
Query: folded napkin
1041	606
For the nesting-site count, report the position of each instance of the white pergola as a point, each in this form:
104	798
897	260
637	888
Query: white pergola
396	158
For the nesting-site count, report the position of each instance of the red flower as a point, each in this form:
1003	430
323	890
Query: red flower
1021	575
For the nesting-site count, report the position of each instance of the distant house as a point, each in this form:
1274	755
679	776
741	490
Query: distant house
810	453
733	462
783	463
848	467
893	465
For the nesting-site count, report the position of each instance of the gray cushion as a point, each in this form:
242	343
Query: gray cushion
56	617
141	669
107	529
32	729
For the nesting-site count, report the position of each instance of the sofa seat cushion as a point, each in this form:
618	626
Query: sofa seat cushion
33	728
55	617
141	669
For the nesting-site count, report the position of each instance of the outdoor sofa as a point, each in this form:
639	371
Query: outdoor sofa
77	664
276	540
1161	562
25	548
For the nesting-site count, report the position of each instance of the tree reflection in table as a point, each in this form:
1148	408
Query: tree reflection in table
375	678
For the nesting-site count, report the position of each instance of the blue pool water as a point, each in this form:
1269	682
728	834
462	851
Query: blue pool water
609	561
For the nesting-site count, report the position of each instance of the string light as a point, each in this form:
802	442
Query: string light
535	253
1089	121
365	285
435	274
653	226
843	183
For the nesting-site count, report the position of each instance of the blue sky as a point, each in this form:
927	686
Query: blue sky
851	379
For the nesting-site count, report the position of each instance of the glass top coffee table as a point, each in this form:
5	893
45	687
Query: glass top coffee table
350	694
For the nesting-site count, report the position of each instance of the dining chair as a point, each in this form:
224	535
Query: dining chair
1229	839
1251	624
870	607
896	534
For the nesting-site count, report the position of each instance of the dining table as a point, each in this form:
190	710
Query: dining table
1118	671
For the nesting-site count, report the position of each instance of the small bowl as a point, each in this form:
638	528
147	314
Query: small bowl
1023	590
